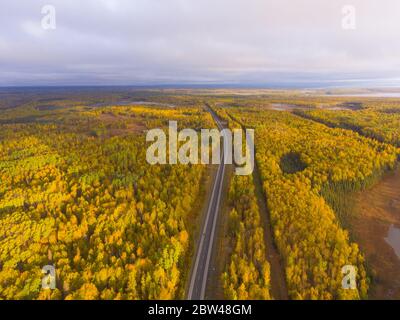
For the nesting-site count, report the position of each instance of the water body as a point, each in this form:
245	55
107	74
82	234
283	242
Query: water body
154	104
393	239
375	227
283	106
129	103
368	95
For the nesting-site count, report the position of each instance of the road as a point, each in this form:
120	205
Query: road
201	266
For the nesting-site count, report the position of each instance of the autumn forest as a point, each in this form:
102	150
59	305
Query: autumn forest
77	194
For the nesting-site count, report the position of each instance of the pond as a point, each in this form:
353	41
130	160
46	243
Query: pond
393	239
375	227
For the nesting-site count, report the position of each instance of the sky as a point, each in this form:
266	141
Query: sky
161	42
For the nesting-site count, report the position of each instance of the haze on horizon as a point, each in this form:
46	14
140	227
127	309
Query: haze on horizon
152	42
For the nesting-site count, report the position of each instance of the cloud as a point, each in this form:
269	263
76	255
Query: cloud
190	41
32	28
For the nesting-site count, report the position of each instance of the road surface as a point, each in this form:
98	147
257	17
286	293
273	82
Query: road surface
201	266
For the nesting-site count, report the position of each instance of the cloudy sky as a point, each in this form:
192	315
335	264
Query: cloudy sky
141	42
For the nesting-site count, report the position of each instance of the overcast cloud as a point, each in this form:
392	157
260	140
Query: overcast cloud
197	41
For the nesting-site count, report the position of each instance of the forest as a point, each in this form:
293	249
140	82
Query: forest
77	193
247	275
380	122
297	158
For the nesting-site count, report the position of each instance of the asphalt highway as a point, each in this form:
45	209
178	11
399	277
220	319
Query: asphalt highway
201	266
